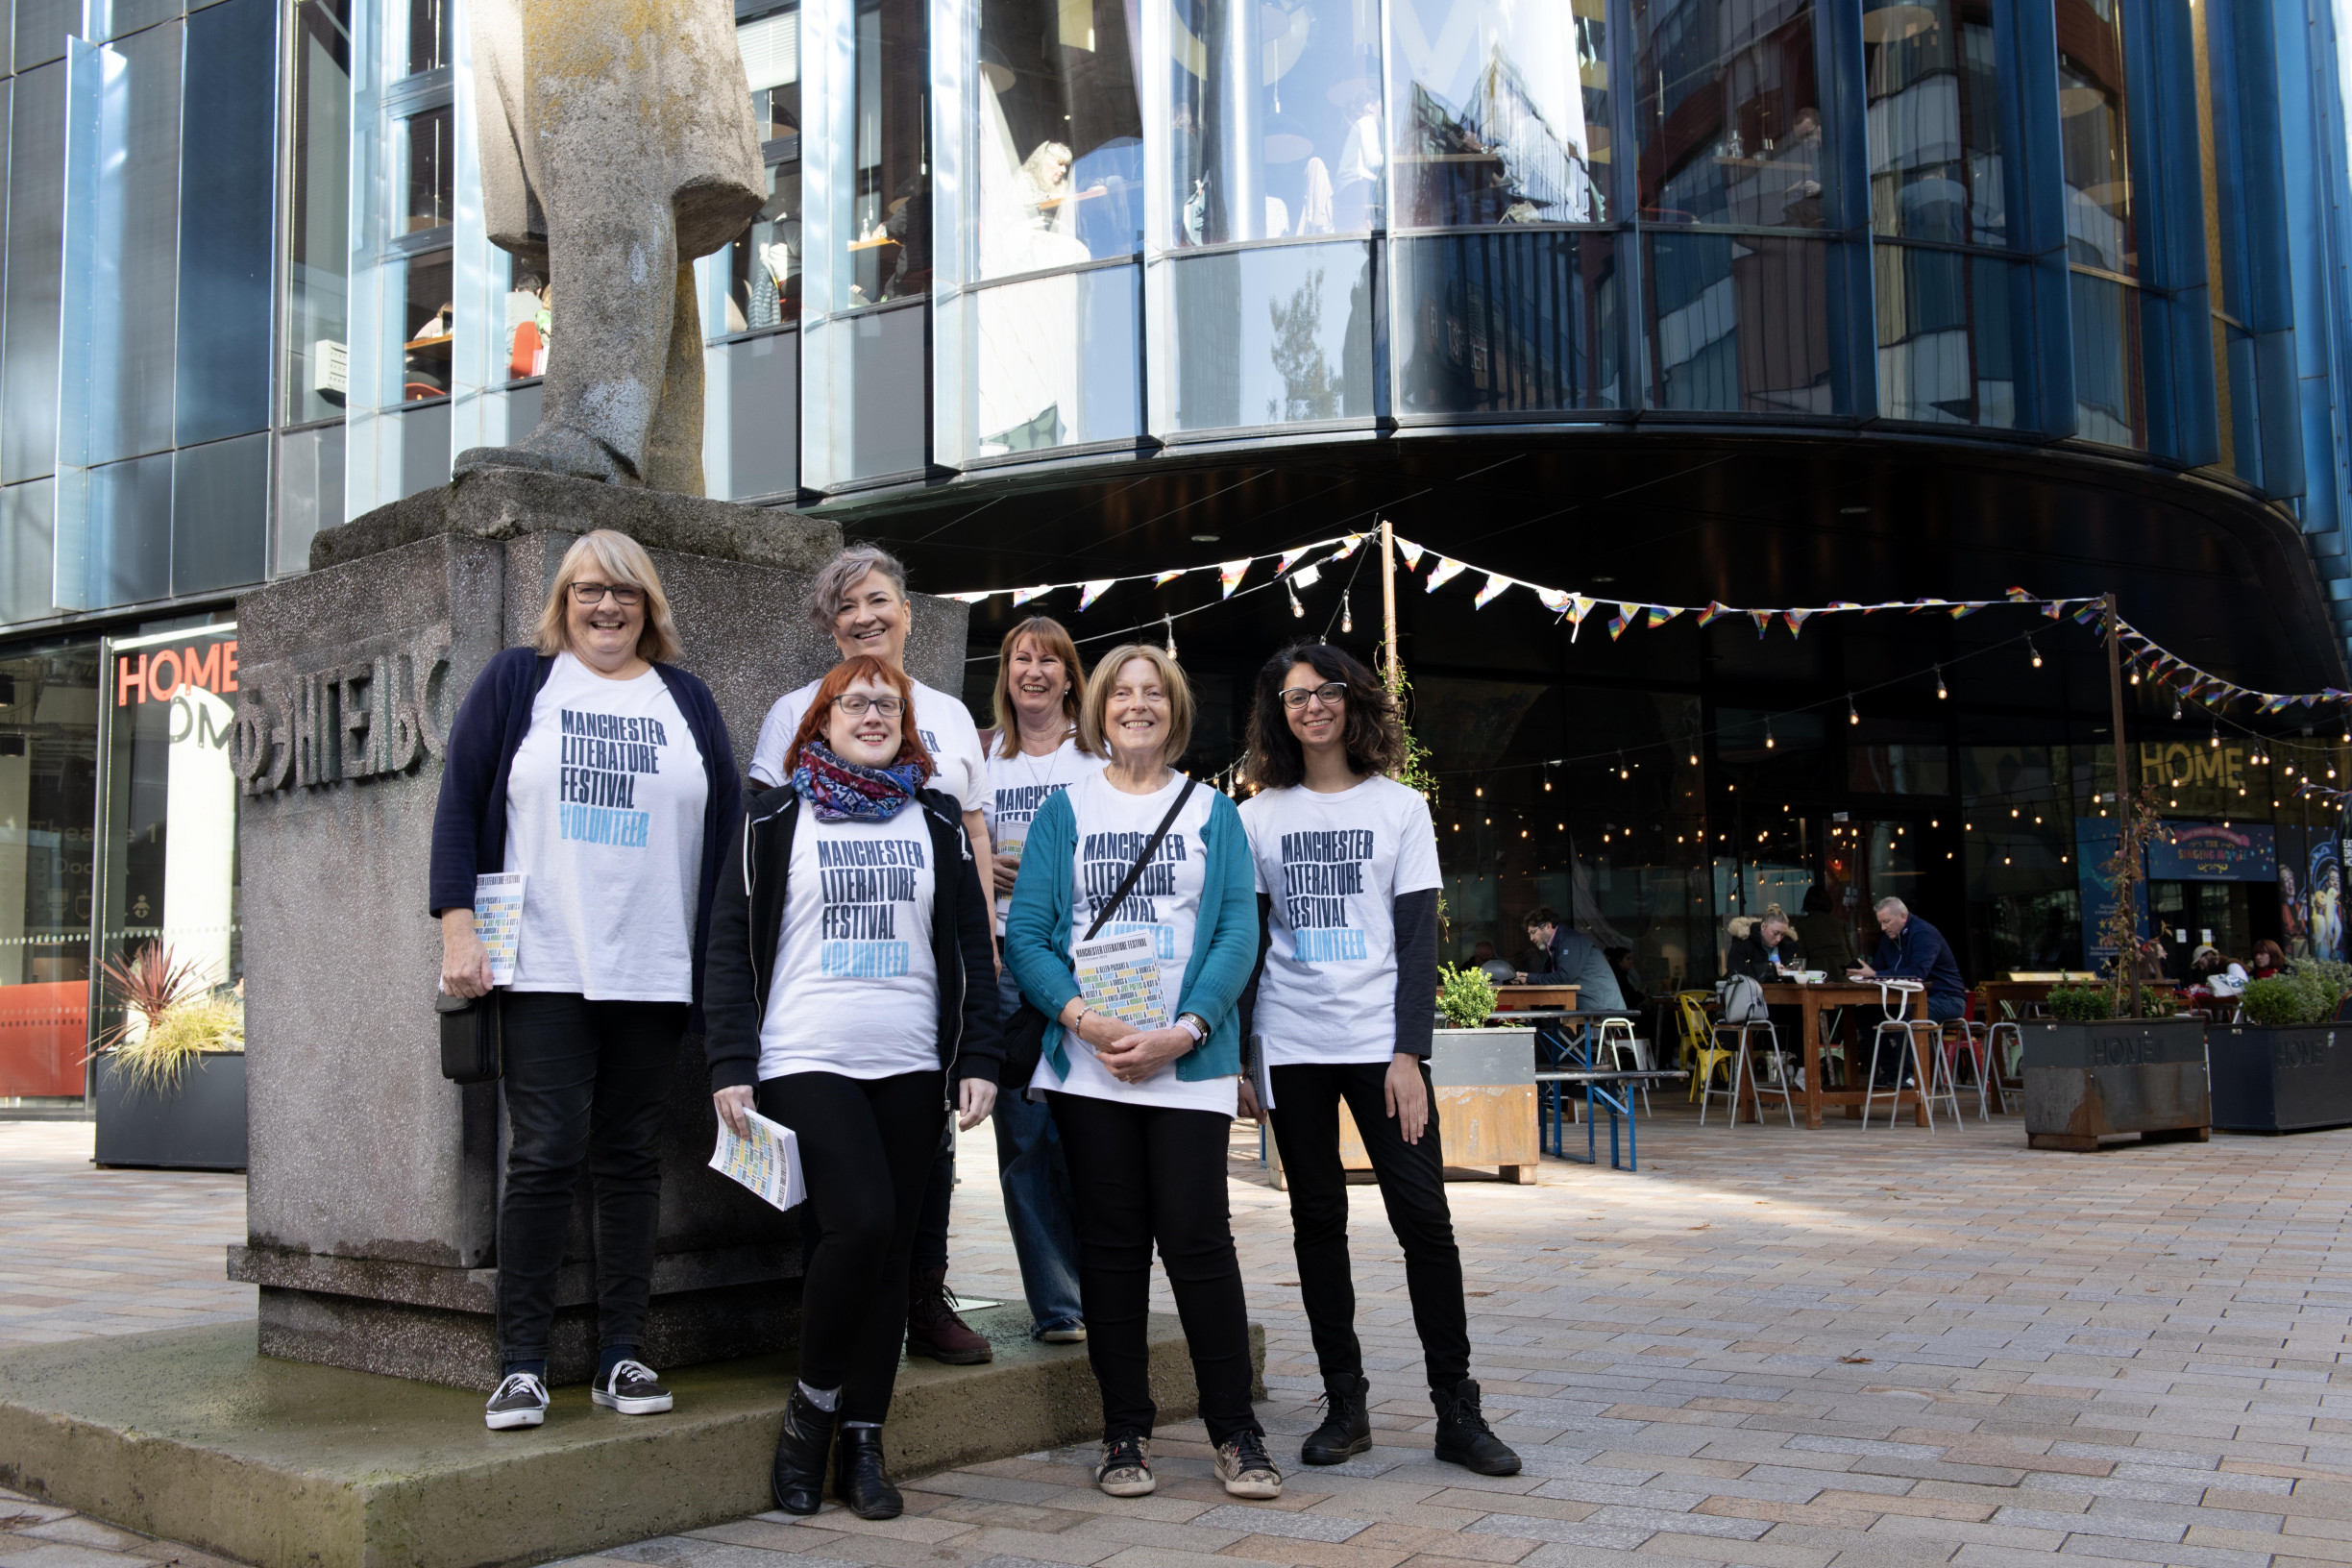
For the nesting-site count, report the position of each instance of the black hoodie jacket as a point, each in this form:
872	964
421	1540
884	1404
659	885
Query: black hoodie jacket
747	923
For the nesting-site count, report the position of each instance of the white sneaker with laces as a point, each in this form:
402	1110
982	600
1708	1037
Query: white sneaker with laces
521	1401
632	1389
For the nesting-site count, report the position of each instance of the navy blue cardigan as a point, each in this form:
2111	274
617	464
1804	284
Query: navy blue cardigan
469	833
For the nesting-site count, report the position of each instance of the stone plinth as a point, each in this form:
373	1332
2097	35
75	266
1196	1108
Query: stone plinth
372	1198
189	1435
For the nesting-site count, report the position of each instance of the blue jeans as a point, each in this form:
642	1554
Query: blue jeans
1034	1176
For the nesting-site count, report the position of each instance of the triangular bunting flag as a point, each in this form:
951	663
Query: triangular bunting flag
1623	618
1763	620
1496	582
1347	546
1289	556
1023	596
1961	612
1796	620
1166	577
2052	610
1555	600
1660	614
975	597
2091	611
1090	592
1231	574
1707	616
1445	570
1582	607
1411	553
2018	596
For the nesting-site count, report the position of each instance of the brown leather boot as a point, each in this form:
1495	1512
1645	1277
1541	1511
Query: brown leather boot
933	1328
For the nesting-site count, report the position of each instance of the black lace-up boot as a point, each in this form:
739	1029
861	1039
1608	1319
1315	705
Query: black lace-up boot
1347	1424
1464	1437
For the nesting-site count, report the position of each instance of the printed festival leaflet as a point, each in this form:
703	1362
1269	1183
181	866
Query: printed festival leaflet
498	920
768	1161
1121	975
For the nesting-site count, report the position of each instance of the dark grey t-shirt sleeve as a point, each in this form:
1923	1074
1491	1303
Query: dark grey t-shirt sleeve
1416	970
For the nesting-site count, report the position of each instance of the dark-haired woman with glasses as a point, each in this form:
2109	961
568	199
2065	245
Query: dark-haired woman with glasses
850	986
599	770
1348	884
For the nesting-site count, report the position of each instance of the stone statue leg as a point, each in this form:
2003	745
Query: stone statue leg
674	446
613	269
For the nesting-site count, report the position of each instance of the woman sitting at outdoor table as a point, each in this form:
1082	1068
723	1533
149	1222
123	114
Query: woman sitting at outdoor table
2268	959
1762	948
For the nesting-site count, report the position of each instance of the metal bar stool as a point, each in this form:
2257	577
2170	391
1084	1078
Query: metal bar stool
1616	1044
1972	1037
1743	1065
1906	1034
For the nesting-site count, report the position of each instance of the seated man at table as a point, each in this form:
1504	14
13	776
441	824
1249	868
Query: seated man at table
1912	949
1572	959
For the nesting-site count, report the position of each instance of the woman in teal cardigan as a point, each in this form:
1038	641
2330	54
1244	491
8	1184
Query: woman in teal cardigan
1142	1083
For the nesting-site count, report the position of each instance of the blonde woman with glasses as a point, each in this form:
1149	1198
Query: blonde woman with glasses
601	773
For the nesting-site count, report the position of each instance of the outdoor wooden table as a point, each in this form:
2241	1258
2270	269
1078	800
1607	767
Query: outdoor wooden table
1855	995
1516	998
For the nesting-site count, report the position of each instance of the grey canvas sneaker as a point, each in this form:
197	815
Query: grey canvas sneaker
521	1401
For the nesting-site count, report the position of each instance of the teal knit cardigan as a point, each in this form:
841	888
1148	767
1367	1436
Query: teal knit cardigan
1037	940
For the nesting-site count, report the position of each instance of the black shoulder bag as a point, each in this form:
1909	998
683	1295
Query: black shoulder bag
1024	1033
471	1035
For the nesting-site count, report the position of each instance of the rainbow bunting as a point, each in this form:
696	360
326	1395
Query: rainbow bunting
1660	614
1961	612
1584	607
1231	574
2091	611
1623	618
1411	553
2018	596
1166	577
1347	546
1496	582
1763	620
1023	596
1090	592
1712	612
1288	557
2053	609
973	597
1445	570
1555	600
1796	620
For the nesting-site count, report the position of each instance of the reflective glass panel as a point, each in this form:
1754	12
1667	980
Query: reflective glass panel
48	822
751	420
425	347
433	170
1496	323
1934	122
170	856
1059	137
1728	113
1502	112
1946	352
1271	336
890	255
2095	158
1276	116
530	323
1738	324
1059	361
881	385
2107	402
763	267
319	204
32	298
429	23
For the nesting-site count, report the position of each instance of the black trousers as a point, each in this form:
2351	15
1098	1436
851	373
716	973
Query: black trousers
866	1150
1140	1174
585	1083
1412	1179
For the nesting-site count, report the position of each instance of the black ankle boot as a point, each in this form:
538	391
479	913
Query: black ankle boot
801	1450
858	1479
1464	1437
1347	1424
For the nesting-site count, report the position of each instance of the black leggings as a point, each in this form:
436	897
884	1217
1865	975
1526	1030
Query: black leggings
866	1150
1412	1177
1141	1173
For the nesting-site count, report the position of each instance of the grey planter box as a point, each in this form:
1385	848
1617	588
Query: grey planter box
202	1127
2282	1080
2088	1081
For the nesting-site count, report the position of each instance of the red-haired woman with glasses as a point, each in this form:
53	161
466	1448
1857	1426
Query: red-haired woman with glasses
850	983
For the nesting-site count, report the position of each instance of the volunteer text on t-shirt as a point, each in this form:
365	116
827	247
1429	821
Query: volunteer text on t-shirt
856	981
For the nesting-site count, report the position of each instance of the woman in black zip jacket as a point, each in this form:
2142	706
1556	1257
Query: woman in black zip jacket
850	980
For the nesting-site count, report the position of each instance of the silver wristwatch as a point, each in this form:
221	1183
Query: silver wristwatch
1193	1026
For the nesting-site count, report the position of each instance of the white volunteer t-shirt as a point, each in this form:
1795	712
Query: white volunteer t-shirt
1113	828
604	821
1334	865
856	987
944	724
1017	786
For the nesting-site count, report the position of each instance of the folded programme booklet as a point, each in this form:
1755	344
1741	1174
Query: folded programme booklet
497	921
1121	975
768	1161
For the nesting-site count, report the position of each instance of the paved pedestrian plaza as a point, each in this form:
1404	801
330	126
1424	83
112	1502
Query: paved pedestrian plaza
1769	1347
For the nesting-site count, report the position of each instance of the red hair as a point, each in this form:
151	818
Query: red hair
839	679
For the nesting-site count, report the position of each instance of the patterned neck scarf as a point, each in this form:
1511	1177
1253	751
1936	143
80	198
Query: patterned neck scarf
848	792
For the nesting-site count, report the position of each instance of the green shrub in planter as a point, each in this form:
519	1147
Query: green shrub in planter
1464	995
2080	1004
2321	983
2279	1003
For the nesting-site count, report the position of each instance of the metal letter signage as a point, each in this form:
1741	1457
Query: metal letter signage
363	712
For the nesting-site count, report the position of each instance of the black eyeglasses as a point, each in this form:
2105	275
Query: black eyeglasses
622	594
1332	692
856	703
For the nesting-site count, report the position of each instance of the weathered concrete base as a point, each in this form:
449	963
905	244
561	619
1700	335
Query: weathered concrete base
190	1435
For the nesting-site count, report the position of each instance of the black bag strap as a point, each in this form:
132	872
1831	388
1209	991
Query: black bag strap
1134	873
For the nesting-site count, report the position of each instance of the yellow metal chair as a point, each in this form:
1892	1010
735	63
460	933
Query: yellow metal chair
1699	1050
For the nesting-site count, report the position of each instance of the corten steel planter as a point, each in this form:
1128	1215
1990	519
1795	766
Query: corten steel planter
2088	1081
199	1126
2281	1080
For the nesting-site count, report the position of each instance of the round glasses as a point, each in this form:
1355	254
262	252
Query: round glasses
1332	692
857	705
622	594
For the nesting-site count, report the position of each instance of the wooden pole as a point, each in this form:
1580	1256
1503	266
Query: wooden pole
1388	633
2125	889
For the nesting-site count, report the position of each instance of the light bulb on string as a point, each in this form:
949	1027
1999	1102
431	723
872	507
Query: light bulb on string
1623	772
1941	693
2216	737
1347	612
1768	735
1298	611
2035	651
1170	621
2177	711
1853	715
